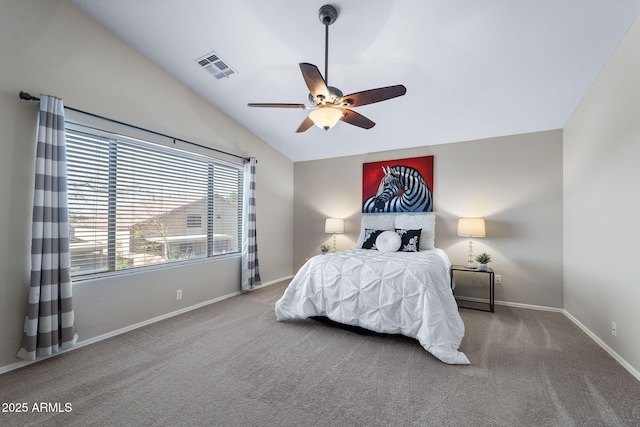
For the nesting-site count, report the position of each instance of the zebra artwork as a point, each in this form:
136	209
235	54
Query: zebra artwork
402	189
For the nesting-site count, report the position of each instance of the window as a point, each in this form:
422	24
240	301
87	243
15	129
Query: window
194	221
135	204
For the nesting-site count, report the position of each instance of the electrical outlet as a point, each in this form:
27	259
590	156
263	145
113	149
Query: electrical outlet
614	329
498	279
179	294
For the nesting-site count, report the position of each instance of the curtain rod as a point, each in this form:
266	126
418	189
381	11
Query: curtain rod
28	97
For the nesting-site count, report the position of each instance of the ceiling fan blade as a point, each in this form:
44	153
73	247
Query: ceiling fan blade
315	82
373	95
305	125
272	105
356	119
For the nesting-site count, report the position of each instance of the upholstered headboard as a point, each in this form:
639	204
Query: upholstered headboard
409	221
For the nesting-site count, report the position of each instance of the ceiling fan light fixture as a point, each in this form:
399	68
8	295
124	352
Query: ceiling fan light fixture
325	117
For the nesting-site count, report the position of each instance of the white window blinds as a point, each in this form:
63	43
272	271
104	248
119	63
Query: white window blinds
138	204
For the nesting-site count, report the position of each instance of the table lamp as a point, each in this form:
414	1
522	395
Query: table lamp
334	225
471	227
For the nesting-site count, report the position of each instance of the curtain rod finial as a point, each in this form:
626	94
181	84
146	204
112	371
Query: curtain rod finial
27	96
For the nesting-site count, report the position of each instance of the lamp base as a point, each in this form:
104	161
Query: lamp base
470	263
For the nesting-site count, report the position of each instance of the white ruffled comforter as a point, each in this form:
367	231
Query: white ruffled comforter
389	292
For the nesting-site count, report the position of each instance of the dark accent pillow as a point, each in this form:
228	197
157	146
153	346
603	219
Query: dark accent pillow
370	237
410	240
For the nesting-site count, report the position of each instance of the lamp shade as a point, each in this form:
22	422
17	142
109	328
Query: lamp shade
325	117
471	227
334	225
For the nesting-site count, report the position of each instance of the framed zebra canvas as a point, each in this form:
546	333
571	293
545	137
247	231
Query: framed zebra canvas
402	185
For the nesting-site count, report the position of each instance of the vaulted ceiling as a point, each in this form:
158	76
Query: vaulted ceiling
473	69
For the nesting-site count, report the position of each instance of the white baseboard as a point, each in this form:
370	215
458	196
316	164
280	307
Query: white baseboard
86	342
633	371
272	282
512	304
530	306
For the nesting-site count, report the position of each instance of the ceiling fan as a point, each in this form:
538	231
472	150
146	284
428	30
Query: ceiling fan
327	103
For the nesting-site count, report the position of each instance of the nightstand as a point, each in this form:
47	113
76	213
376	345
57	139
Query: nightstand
489	271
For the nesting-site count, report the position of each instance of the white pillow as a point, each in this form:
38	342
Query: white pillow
425	221
375	222
388	241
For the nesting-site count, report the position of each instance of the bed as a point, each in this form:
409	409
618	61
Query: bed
381	289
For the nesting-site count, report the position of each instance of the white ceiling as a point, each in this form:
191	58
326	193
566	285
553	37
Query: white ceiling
472	68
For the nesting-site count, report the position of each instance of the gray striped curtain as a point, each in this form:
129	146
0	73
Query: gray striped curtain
49	325
250	268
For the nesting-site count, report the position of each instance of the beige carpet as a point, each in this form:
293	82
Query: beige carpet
232	364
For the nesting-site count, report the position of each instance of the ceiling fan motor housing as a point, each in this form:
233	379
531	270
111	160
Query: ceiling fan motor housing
335	95
328	14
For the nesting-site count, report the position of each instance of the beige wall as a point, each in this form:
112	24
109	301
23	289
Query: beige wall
51	47
602	204
514	182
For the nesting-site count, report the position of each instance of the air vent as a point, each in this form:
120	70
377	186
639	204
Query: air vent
213	64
